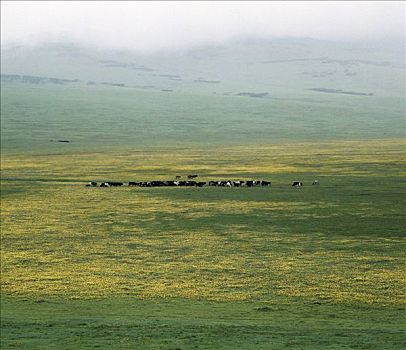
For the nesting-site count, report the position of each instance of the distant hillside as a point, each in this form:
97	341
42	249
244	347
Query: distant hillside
241	93
275	67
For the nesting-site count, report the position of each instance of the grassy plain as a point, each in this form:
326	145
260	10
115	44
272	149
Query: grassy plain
316	267
104	119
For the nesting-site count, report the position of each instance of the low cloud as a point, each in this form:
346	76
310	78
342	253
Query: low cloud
148	26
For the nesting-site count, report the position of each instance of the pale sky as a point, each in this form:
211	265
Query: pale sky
156	25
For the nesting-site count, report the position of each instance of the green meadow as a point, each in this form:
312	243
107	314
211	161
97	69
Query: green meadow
317	267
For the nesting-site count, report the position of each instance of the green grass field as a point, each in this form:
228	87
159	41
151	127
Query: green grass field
105	119
177	268
317	267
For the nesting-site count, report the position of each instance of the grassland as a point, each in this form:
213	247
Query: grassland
104	120
318	267
178	268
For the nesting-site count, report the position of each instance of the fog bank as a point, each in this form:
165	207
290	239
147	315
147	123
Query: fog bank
150	26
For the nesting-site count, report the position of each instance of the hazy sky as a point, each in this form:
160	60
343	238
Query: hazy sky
158	25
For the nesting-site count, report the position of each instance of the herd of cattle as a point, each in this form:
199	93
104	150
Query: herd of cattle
191	183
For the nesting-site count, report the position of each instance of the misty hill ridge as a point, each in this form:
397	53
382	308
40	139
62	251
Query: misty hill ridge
47	80
279	67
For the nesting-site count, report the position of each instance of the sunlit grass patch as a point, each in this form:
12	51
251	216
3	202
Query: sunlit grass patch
330	158
84	257
338	242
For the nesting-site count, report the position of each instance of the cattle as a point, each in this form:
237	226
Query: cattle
192	176
139	184
177	177
91	184
157	183
111	184
191	183
315	182
297	184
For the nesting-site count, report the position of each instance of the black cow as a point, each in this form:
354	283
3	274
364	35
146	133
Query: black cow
91	184
201	184
192	176
315	182
297	184
266	183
